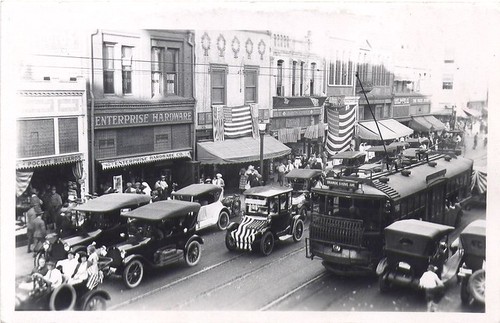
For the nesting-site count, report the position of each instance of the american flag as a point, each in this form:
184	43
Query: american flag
218	122
237	122
244	235
341	122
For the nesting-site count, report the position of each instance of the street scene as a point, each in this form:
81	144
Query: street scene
324	169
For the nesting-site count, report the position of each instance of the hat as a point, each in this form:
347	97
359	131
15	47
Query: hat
162	176
71	252
82	254
71	198
219	175
251	167
51	263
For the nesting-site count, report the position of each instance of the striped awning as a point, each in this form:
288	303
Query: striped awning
426	123
390	129
241	150
122	162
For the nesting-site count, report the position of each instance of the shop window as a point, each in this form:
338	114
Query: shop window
204	118
135	140
161	138
251	84
127	69
108	68
181	136
106	143
68	135
218	84
35	138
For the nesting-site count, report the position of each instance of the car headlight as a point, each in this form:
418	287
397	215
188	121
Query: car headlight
123	253
46	245
404	265
66	246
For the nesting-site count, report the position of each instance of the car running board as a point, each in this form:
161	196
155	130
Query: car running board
285	237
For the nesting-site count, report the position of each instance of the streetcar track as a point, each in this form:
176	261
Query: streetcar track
237	278
175	282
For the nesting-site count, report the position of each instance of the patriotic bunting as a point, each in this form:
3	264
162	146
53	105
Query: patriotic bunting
237	122
341	121
218	122
244	236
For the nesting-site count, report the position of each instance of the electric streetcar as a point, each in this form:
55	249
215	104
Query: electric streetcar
350	212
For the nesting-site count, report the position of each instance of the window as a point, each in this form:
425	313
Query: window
106	143
447	85
126	69
108	68
280	91
251	84
301	87
294	75
161	138
313	76
171	70
218	84
164	71
156	71
340	72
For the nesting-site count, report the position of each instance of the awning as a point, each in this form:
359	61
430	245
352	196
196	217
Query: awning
426	123
48	161
471	112
122	162
241	150
390	129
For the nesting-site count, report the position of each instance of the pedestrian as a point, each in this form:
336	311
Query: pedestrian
54	209
243	180
130	188
289	166
315	164
432	284
156	195
475	141
219	182
253	177
281	173
36	207
138	188
39	231
108	188
146	189
161	184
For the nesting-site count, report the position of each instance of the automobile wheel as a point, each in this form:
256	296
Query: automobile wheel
63	298
230	242
383	285
267	243
477	284
298	230
95	303
133	273
193	253
303	212
464	291
223	220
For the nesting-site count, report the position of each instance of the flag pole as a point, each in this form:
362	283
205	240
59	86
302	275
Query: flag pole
375	120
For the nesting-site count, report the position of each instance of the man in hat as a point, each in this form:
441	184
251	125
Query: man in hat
68	265
130	188
53	277
80	273
162	186
36	207
219	182
39	231
431	283
138	188
54	208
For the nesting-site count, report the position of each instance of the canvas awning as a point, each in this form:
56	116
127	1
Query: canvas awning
241	150
426	123
390	129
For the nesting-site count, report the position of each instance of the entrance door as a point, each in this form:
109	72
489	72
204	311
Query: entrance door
435	203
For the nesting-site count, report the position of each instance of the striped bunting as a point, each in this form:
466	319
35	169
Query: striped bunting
237	122
244	236
479	180
218	122
340	128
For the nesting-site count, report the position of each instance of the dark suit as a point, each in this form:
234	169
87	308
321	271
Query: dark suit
39	232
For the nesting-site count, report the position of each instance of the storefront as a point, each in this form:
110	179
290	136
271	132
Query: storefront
298	123
140	145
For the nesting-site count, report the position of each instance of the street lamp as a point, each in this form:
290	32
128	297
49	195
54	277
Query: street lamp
262	131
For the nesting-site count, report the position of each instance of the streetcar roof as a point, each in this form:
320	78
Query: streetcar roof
348	155
418	228
197	189
303	173
477	228
267	191
113	201
364	191
163	209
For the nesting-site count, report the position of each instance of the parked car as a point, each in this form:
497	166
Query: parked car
301	182
40	297
159	234
410	247
98	220
268	216
473	269
212	211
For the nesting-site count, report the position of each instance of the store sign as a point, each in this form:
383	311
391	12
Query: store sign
49	161
401	101
144	159
420	100
341	183
282	113
134	119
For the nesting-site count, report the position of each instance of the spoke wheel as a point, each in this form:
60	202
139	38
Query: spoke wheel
95	303
133	273
230	242
223	220
193	253
267	243
477	285
298	230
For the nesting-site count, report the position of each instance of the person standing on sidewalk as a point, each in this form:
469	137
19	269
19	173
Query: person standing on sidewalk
54	208
36	207
39	231
219	182
243	180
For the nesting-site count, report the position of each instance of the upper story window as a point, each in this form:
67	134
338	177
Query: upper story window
164	71
251	84
108	68
127	69
218	83
301	87
280	91
340	72
447	82
313	76
294	76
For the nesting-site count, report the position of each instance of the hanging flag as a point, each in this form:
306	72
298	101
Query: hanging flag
237	122
218	122
255	120
341	122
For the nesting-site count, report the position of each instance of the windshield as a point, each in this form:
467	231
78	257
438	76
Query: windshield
187	198
256	205
298	184
91	221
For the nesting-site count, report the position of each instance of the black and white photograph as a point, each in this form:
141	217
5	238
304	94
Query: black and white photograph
237	161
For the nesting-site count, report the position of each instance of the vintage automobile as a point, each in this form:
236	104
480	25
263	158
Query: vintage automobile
212	211
98	220
39	297
301	181
159	234
345	159
410	247
268	216
473	272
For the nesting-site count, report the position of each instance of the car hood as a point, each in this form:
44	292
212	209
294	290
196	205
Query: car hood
131	243
77	239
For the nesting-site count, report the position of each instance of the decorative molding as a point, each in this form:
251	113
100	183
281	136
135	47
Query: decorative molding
262	49
249	47
235	45
50	93
205	43
221	45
